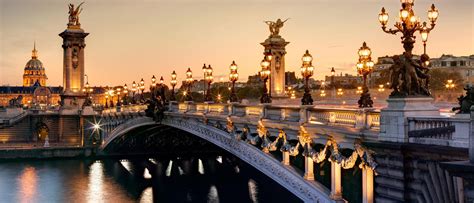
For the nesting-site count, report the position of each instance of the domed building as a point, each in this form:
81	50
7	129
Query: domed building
34	71
34	92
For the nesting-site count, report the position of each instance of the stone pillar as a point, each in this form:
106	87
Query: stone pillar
367	185
308	168
286	158
361	118
304	113
336	186
393	119
276	45
72	97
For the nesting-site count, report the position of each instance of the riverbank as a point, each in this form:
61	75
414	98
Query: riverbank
47	153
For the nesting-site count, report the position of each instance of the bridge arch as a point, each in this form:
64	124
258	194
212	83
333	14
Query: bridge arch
308	191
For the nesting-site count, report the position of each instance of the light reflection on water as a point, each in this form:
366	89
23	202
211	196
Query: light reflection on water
27	182
124	181
96	179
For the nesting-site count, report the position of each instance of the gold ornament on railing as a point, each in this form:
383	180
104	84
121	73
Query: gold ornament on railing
230	125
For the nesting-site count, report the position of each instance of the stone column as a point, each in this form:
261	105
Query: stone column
73	46
308	168
336	186
367	185
276	45
286	158
304	113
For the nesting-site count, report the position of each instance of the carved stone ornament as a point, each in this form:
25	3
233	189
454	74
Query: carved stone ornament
75	57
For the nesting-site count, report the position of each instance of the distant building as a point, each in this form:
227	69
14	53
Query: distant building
462	64
382	63
254	80
34	91
344	81
290	78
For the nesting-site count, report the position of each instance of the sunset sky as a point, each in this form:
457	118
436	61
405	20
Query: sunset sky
136	39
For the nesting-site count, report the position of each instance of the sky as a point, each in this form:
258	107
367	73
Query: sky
130	40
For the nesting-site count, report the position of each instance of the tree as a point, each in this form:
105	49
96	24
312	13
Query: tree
439	79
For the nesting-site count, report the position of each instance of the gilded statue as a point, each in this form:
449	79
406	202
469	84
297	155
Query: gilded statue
275	26
74	15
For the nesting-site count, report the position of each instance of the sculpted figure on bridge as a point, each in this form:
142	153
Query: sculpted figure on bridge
274	27
409	77
465	102
74	15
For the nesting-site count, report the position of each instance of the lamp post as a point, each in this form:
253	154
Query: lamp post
125	94
381	88
365	67
134	89
268	57
208	78
106	99
333	73
111	93
189	82
409	24
118	90
233	77
153	86
173	83
307	71
264	75
162	89
450	86
142	88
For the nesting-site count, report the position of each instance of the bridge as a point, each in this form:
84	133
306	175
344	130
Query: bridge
287	143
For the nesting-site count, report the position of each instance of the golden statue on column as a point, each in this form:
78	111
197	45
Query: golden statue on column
74	16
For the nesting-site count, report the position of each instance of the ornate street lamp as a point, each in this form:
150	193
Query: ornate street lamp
106	97
173	83
268	57
364	68
333	73
118	90
233	77
449	84
111	93
381	88
208	78
142	88
189	83
134	89
409	24
340	92
265	75
125	94
307	71
153	86
162	89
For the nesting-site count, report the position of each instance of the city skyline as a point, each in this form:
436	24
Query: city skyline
170	37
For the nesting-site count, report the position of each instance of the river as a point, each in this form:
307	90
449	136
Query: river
204	179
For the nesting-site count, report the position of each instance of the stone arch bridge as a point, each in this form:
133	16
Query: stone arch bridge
269	138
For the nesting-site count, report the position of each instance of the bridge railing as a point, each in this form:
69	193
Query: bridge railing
125	108
445	131
358	118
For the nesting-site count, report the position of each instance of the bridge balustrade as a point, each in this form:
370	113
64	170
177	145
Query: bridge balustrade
444	131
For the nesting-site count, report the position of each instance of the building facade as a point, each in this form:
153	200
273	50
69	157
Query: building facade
464	65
